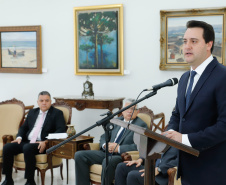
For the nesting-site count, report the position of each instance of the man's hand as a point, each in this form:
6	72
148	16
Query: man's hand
41	146
138	162
111	147
18	140
142	175
156	171
173	135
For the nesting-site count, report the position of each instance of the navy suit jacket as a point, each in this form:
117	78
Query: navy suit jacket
168	160
127	143
205	123
54	123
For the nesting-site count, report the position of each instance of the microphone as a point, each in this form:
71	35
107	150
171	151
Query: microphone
170	82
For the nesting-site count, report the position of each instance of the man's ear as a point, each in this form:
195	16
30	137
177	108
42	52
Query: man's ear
209	45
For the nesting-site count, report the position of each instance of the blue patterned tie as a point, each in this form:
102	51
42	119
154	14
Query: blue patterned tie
193	73
120	136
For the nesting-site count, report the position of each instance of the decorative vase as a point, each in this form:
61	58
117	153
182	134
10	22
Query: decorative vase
70	130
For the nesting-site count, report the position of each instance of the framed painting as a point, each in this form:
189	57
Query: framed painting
173	27
20	49
98	37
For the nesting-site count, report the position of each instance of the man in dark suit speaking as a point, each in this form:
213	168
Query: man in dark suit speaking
199	119
84	159
31	137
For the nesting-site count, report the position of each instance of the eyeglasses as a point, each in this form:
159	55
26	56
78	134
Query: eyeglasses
131	109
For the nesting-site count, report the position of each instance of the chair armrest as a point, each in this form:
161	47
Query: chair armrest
126	157
129	156
7	139
171	175
91	146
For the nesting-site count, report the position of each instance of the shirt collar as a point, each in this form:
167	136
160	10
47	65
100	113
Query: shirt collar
127	121
40	112
199	70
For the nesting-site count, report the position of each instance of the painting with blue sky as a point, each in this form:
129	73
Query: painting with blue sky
176	27
19	49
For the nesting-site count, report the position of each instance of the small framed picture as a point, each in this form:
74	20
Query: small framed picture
20	49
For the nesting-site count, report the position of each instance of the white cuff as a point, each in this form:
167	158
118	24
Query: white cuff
185	140
103	146
19	138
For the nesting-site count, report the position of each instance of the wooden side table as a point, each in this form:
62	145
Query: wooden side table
67	151
81	103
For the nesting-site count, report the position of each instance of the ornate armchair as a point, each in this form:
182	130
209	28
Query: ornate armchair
95	170
43	160
11	114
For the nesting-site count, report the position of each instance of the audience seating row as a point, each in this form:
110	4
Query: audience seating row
13	113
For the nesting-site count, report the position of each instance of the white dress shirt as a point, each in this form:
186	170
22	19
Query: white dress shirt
35	125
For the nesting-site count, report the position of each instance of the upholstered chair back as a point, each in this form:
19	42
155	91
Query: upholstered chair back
66	111
11	114
11	117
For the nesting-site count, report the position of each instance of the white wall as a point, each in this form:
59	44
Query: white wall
141	54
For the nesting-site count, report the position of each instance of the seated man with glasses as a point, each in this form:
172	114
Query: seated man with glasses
84	159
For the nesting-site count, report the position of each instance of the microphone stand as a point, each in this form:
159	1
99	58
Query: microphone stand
107	127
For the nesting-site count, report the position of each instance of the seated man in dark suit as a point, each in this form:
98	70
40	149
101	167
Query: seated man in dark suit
84	159
131	172
31	138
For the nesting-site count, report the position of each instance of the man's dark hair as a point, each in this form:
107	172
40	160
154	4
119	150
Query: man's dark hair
44	93
208	31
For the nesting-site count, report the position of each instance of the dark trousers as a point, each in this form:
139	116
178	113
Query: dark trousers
83	161
29	150
129	175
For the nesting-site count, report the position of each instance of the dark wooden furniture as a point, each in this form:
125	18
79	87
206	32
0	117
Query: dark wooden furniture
81	103
67	151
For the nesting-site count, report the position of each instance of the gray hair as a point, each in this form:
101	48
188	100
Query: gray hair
130	100
44	93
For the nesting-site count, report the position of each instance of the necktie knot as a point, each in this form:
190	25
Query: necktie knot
193	73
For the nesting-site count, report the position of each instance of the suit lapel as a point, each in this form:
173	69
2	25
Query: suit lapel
34	118
205	75
47	117
115	131
127	131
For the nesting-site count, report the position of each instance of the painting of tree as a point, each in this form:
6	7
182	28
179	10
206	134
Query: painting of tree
98	39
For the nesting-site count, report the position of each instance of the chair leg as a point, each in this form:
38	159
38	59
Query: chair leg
0	172
43	172
15	169
61	171
67	169
51	170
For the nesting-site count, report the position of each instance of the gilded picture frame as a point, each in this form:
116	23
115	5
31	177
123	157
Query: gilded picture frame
98	34
20	49
173	27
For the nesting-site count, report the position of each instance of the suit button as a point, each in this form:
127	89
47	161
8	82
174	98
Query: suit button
183	119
